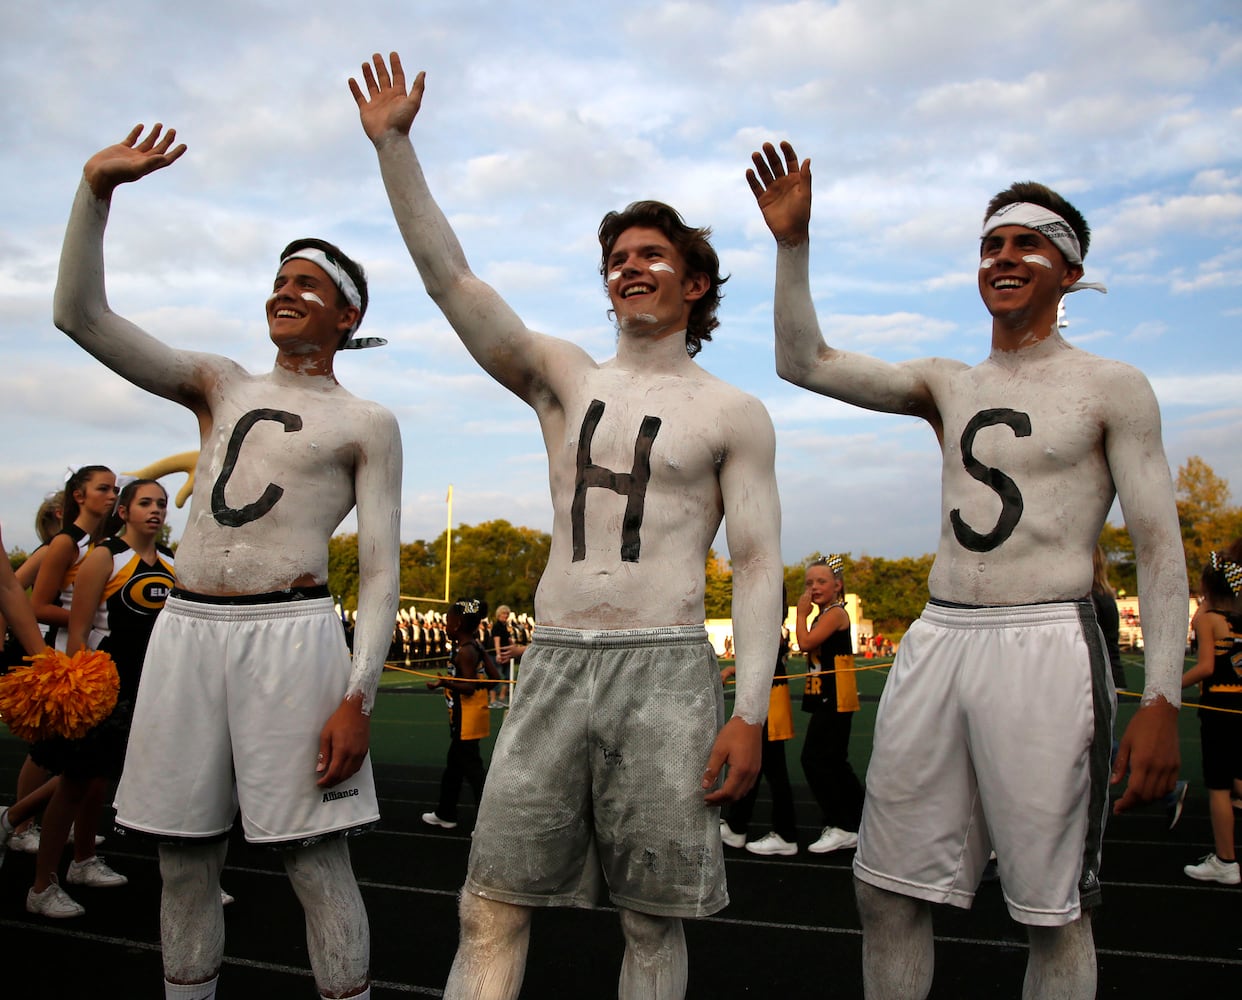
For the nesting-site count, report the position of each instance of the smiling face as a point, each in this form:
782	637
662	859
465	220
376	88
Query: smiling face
647	283
824	585
304	311
1021	273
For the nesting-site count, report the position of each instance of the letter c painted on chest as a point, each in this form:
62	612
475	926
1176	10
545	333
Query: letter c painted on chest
235	517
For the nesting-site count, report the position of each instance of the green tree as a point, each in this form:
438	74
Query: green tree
494	560
343	570
1206	518
1208	521
718	593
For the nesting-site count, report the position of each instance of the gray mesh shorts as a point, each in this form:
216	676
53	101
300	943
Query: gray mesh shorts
597	773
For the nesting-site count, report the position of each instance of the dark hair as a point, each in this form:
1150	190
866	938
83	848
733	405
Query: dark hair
112	524
1040	194
472	611
78	481
346	264
49	518
1215	587
1214	582
693	244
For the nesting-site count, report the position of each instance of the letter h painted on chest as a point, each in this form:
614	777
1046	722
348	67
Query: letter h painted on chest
632	485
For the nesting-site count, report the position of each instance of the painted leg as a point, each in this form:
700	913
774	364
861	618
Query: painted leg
338	936
1062	962
191	917
898	957
491	955
655	966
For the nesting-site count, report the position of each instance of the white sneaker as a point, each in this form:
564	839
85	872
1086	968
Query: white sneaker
773	843
729	838
26	841
53	902
431	819
94	872
1212	869
833	839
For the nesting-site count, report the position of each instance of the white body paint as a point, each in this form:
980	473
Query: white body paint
312	297
1095	435
711	458
661	266
346	452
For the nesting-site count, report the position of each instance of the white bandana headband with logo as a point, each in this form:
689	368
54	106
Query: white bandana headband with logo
1046	222
346	284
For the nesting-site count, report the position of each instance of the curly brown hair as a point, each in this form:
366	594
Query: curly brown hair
694	246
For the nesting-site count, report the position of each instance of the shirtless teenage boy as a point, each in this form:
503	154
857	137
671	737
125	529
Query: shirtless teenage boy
616	737
1000	691
251	674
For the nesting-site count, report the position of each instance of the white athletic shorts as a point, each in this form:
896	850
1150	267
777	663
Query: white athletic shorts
993	732
598	772
230	707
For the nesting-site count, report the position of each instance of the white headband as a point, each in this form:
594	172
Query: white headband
346	284
1046	222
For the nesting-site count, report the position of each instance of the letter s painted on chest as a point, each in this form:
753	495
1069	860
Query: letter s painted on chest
632	485
235	517
994	479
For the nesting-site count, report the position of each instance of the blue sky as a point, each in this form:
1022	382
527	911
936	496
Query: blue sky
539	118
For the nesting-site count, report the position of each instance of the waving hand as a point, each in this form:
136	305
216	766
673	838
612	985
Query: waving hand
386	107
783	190
130	159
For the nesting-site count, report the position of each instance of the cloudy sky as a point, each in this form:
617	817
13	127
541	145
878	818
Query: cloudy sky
538	118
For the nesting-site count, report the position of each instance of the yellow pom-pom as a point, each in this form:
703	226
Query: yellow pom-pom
59	695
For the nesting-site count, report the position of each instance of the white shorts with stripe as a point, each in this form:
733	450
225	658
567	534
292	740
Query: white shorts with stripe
229	710
994	731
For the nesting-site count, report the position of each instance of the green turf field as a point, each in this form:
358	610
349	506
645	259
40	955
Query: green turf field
410	724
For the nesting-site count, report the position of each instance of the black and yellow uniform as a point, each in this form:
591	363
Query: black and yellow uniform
468	723
1221	731
831	696
133	596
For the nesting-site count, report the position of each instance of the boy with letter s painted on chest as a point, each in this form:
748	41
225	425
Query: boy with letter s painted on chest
615	740
253	697
1001	690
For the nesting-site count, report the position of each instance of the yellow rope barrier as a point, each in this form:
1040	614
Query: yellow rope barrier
1189	704
436	677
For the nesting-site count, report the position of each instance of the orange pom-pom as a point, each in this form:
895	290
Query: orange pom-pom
59	695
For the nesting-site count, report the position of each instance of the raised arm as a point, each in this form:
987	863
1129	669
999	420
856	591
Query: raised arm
80	307
519	359
345	738
1141	474
752	512
782	187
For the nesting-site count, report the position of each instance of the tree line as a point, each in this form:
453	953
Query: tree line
502	562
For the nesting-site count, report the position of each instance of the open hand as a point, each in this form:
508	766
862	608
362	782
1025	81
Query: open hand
386	108
130	159
783	191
